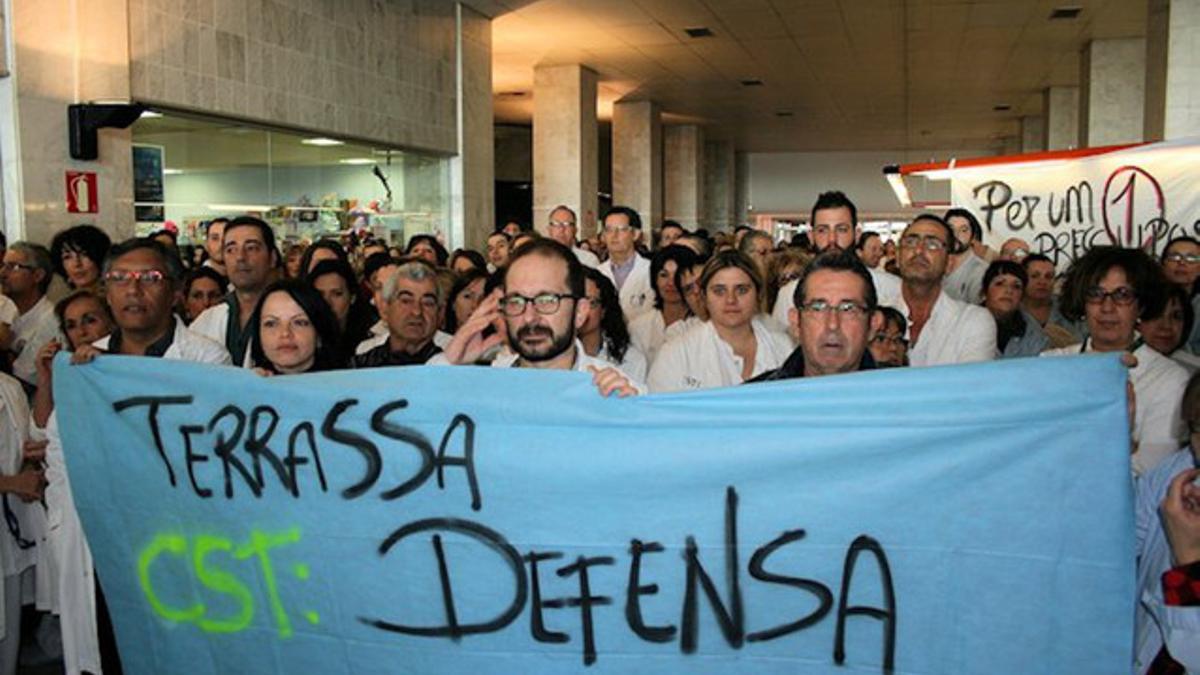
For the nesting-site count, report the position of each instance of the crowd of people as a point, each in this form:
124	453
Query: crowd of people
688	311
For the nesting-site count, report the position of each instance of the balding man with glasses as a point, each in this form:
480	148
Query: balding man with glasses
941	330
832	309
562	228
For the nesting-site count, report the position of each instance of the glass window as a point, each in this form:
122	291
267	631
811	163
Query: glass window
188	170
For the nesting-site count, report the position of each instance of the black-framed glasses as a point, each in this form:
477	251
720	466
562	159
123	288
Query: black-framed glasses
14	266
514	304
846	309
1123	296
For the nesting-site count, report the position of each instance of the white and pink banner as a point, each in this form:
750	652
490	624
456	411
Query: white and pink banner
1142	196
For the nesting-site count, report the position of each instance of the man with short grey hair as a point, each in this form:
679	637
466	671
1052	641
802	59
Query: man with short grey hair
412	302
25	275
562	228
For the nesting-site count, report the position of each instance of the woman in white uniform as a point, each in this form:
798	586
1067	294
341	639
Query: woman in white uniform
734	345
1112	288
649	330
605	335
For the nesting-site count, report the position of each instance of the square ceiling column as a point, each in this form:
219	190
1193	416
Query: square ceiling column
565	144
683	175
1111	95
1061	112
637	159
1172	105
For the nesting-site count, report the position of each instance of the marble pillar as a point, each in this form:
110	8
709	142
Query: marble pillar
1112	83
683	175
1172	100
1061	112
637	159
1033	133
87	61
472	171
565	144
720	185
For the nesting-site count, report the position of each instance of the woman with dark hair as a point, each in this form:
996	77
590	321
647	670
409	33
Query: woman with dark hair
295	331
335	281
464	260
428	247
1017	333
77	254
203	287
1167	331
1112	288
1181	263
604	334
465	295
736	344
322	249
887	344
648	331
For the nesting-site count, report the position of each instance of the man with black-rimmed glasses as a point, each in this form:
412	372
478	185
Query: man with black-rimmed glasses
538	310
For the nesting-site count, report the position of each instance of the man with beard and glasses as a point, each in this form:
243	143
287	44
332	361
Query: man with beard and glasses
542	304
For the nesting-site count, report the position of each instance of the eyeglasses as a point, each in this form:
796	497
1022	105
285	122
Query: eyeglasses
847	309
1181	258
14	266
561	224
1121	296
126	277
929	243
617	229
882	338
543	303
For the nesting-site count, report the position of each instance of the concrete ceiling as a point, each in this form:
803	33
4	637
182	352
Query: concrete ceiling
853	74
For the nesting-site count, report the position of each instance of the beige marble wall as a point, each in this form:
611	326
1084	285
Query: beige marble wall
478	131
683	174
377	71
637	159
1112	88
87	61
3	43
565	143
1061	112
1172	105
720	185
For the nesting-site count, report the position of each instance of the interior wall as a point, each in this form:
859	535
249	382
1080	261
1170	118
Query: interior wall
789	182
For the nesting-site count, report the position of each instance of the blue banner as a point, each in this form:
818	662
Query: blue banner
970	519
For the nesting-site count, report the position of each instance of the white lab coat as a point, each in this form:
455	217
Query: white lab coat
586	257
648	333
700	359
955	333
31	331
14	429
440	338
634	363
76	592
212	324
637	295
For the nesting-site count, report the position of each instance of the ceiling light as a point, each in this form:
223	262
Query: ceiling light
1065	13
698	32
896	180
356	160
752	83
149	114
323	142
172	172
